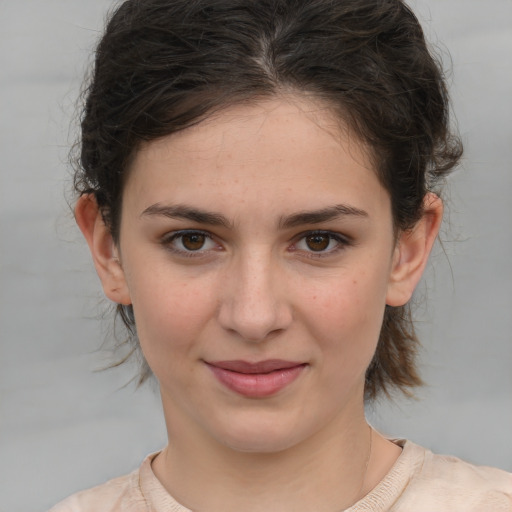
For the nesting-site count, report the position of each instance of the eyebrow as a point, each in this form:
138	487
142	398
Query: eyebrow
319	216
187	213
286	222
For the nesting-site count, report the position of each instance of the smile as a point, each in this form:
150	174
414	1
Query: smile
256	380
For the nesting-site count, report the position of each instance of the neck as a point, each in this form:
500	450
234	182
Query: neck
325	472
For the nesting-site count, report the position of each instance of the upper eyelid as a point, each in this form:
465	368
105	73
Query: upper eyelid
302	234
334	234
343	242
342	238
169	237
181	232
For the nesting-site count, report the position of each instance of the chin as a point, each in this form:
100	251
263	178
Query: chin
259	444
270	436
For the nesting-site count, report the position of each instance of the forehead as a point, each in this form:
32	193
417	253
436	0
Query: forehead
284	148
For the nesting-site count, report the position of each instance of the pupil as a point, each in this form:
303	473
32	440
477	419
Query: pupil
317	242
193	242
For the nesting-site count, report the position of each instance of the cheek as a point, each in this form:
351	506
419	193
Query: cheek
346	317
169	313
348	332
349	303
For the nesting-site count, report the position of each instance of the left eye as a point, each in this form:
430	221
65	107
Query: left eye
319	242
191	241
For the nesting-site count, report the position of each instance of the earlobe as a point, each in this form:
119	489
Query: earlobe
412	251
103	249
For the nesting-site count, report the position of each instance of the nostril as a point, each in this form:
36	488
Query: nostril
254	323
252	302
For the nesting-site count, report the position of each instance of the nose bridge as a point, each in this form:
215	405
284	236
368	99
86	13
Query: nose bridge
253	304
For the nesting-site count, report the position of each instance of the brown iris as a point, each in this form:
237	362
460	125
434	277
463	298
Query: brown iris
318	242
193	241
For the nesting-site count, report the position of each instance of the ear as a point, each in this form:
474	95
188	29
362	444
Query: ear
412	251
103	249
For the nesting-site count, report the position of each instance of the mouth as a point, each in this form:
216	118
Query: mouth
256	380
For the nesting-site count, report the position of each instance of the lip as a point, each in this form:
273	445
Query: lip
256	380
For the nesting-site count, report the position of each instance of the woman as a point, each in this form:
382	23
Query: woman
257	186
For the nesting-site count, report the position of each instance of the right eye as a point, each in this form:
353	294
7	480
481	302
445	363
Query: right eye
189	242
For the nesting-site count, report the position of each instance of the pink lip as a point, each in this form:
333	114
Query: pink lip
256	380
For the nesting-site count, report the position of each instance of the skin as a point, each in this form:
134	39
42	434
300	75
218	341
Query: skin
256	288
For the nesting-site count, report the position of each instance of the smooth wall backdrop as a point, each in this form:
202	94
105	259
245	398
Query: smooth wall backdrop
65	426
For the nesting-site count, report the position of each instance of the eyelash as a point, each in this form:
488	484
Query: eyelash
341	243
169	238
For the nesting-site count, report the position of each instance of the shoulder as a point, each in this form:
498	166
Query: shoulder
118	495
139	491
442	482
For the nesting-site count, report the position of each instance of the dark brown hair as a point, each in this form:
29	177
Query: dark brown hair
164	65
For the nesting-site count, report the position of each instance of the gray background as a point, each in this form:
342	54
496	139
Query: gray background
64	426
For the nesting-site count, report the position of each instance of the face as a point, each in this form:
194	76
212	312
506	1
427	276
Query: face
257	249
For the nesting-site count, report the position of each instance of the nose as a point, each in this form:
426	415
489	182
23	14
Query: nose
254	302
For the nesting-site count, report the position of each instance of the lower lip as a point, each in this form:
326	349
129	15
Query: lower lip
257	385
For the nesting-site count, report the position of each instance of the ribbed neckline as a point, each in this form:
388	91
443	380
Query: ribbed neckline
387	492
380	499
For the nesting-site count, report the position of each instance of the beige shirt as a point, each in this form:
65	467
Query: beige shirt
419	481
